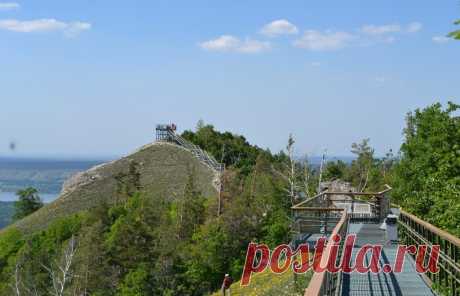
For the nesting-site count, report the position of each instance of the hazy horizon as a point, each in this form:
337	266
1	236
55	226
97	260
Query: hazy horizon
90	80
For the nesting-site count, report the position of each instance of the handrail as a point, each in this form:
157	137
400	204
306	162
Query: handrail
388	188
441	233
317	283
309	200
318	209
197	151
326	283
415	231
353	194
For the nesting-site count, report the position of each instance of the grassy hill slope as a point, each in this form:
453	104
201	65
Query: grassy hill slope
270	284
163	168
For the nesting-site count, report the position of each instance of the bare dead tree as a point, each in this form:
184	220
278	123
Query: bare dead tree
306	177
61	274
221	185
292	170
364	161
323	160
291	176
365	180
23	282
17	280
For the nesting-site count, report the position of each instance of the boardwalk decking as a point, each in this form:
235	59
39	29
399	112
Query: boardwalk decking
406	283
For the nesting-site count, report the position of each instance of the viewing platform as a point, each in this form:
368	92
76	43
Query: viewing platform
362	213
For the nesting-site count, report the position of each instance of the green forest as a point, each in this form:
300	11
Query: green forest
148	244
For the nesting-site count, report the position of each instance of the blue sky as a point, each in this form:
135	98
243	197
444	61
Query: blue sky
92	78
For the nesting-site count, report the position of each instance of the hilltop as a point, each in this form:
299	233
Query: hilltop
163	169
150	223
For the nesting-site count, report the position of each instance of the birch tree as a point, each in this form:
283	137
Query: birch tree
23	282
291	177
306	178
362	165
61	272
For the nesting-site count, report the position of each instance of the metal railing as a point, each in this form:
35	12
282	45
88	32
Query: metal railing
167	135
317	214
415	231
412	230
326	283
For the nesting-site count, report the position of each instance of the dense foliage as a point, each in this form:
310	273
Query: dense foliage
427	177
29	201
366	172
230	149
148	244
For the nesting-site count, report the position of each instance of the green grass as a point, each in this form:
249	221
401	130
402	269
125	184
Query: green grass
270	284
164	170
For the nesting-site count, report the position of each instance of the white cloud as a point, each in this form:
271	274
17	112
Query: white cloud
76	28
253	46
9	6
379	30
279	27
229	43
316	64
44	25
440	39
223	43
319	41
374	30
414	27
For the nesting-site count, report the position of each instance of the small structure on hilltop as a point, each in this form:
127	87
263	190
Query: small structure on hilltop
164	131
167	133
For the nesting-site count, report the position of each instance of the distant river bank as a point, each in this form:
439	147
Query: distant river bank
46	175
11	196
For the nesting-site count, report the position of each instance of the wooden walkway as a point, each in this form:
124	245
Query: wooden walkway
406	283
330	214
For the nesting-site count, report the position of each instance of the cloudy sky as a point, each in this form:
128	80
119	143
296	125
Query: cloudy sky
92	78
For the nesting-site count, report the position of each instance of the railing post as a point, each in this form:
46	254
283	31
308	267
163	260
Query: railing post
416	232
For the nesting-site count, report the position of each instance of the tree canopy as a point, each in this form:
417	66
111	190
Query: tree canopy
228	148
427	177
29	201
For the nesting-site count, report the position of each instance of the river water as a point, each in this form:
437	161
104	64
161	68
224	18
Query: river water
11	196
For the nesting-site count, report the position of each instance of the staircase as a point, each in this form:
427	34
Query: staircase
166	134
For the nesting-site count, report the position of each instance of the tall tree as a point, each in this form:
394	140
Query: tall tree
427	178
361	166
29	201
292	174
335	170
192	210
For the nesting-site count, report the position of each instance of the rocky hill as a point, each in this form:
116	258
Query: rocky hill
163	169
